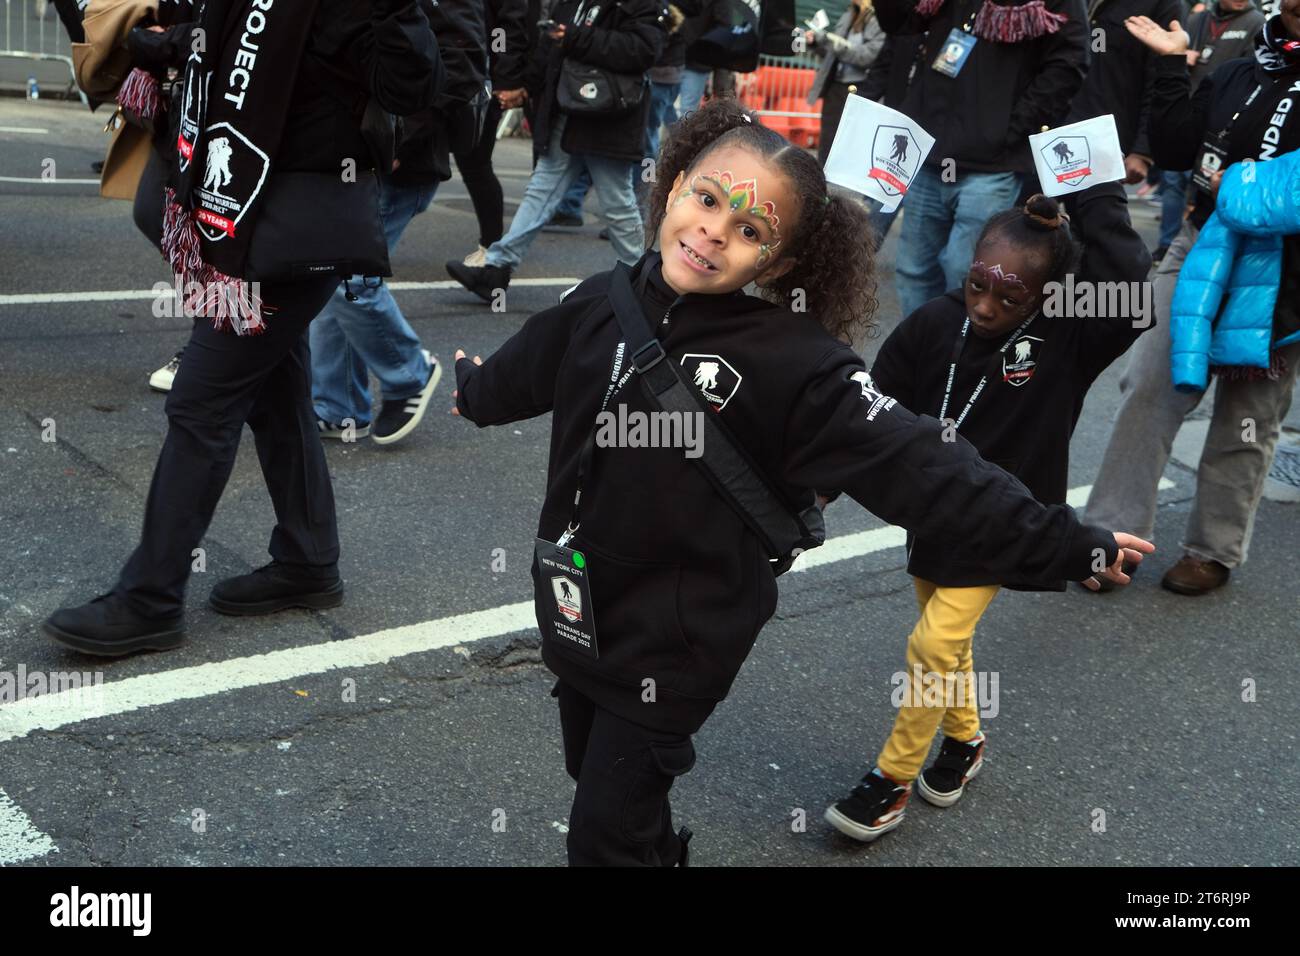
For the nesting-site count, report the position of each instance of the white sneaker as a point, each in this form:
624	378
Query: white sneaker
162	379
477	259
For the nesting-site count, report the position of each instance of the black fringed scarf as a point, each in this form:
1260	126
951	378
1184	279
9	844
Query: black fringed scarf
238	84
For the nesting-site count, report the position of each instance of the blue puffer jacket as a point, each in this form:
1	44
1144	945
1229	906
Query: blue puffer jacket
1237	254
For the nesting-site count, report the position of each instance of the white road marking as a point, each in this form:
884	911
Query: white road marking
19	839
56	180
124	295
23	129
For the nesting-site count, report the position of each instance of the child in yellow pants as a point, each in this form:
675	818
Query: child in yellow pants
989	365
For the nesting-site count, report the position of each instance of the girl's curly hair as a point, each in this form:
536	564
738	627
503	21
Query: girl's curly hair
833	242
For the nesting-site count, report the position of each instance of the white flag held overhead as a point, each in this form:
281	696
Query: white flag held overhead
820	21
877	151
1072	158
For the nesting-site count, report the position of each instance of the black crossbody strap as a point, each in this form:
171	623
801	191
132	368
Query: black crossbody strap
723	461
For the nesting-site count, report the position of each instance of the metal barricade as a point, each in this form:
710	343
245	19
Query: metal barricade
778	92
32	31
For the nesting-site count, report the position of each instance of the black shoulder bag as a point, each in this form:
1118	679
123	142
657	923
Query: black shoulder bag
783	533
587	90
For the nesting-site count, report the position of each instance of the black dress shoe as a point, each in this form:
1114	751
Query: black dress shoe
483	281
107	627
275	587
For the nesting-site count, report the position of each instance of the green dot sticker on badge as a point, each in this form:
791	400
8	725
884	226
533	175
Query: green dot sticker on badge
578	560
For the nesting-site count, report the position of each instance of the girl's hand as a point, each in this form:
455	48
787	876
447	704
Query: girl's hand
1131	549
460	354
1162	41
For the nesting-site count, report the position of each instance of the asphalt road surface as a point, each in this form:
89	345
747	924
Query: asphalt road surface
413	725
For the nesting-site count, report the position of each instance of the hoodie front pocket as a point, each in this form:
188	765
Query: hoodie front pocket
638	636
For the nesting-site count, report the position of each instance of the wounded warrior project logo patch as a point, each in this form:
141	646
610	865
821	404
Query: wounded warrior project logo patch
1069	159
714	376
877	400
568	596
895	156
1019	362
232	177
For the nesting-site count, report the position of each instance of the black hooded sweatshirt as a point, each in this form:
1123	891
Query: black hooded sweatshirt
680	585
1021	422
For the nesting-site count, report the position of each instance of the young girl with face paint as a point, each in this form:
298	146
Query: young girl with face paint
1010	380
674	586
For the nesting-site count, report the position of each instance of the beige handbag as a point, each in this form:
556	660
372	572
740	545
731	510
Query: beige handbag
128	154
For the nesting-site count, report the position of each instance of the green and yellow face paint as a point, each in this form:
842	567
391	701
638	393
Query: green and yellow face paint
742	199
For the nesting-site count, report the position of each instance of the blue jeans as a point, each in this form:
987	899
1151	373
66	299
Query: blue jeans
349	337
939	231
661	113
552	176
1173	199
692	90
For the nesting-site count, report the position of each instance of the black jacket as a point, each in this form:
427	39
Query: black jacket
892	70
509	42
1024	428
1180	124
1005	91
451	123
625	37
1225	34
681	586
1119	80
356	49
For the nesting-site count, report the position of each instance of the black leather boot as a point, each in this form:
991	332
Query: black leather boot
107	627
275	587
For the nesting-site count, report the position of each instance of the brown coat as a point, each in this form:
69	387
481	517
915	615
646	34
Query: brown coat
103	62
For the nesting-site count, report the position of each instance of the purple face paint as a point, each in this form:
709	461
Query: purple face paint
994	274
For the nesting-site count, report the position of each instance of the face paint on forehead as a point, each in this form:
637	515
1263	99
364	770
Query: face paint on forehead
994	273
742	197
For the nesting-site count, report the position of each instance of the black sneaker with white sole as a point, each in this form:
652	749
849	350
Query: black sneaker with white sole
943	783
343	433
875	807
399	416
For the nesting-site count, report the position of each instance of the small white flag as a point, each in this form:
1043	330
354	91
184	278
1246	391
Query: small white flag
877	151
820	21
1072	158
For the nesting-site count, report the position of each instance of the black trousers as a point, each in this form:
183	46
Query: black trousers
620	814
224	381
481	181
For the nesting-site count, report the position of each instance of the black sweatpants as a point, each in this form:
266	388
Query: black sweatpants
224	381
620	814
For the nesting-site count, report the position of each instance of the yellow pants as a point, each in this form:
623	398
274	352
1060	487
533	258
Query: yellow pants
938	649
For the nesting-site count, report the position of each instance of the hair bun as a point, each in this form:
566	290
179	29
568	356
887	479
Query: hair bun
1044	211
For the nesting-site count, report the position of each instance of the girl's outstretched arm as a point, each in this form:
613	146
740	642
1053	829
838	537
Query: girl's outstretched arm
518	379
913	472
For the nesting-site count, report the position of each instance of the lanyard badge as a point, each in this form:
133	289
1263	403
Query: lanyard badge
984	379
956	49
565	613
